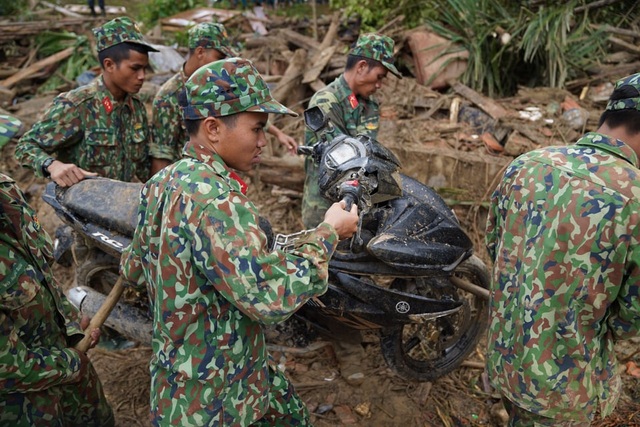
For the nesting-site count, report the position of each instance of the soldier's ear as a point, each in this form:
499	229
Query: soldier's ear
108	64
211	129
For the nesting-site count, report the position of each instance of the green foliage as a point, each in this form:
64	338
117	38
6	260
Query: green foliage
13	7
375	13
81	59
158	9
472	25
543	45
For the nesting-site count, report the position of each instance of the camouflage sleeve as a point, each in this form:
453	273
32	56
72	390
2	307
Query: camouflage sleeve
59	127
19	217
24	369
166	128
625	318
231	250
131	259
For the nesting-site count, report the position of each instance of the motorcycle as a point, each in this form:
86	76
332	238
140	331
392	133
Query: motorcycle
408	273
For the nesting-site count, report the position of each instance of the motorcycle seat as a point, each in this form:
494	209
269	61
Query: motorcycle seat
105	202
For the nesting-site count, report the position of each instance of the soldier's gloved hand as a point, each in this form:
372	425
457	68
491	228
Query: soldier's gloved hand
345	223
67	174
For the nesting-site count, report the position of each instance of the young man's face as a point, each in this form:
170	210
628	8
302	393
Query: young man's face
128	76
240	146
368	80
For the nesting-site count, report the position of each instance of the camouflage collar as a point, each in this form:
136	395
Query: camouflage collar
343	91
613	146
103	93
212	159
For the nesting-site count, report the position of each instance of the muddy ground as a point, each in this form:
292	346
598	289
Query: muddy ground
461	398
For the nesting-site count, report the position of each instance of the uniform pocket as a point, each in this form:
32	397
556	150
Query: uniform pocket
138	145
101	148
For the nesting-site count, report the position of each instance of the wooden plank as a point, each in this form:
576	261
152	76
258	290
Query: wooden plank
35	67
625	45
318	64
297	39
486	104
61	10
291	77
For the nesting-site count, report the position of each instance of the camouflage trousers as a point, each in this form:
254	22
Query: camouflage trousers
519	417
81	404
314	205
285	408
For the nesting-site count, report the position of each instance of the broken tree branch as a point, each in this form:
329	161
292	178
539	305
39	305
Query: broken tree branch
35	67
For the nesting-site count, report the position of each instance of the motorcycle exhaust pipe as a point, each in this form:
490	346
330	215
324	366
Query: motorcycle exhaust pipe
129	321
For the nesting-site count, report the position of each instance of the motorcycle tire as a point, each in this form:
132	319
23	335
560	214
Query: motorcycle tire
98	271
429	350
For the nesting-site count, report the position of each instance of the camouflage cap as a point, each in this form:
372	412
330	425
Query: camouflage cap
9	127
227	87
119	30
377	47
210	35
626	103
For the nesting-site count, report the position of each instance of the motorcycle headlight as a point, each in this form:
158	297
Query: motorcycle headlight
343	152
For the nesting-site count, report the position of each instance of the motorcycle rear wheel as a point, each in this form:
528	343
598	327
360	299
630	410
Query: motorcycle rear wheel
429	350
99	271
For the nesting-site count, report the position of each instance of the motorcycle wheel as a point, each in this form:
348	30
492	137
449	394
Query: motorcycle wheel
429	350
98	271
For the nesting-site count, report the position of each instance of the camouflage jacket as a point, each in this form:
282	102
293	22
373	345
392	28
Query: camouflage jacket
87	127
212	283
351	115
168	134
564	238
36	320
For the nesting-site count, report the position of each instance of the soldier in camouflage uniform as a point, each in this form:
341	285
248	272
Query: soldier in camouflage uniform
208	42
43	381
101	128
349	103
211	279
564	238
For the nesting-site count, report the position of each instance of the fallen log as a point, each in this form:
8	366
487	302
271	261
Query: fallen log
324	53
291	78
286	172
61	10
486	104
35	67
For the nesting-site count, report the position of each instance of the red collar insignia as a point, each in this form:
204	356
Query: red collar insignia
353	100
108	105
243	185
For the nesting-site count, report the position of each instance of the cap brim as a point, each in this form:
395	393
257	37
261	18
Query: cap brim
228	51
147	45
272	107
392	68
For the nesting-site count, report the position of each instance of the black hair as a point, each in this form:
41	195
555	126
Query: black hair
352	60
192	126
629	117
120	52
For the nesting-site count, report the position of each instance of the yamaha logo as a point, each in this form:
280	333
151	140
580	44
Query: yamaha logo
403	307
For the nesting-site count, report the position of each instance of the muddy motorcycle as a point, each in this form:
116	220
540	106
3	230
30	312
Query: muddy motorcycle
409	272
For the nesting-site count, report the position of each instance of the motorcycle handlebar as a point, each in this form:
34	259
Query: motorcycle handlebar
305	150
